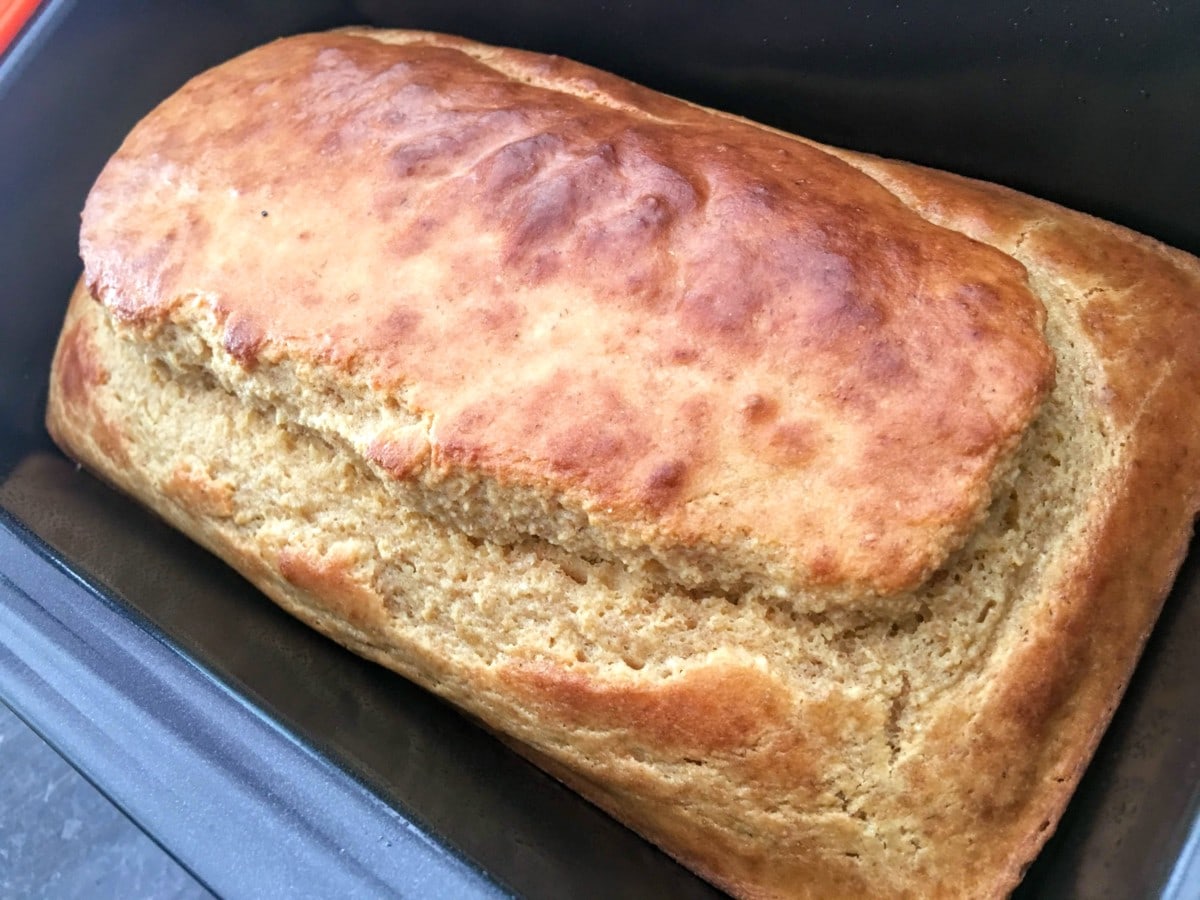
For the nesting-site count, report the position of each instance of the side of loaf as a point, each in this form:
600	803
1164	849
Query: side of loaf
821	558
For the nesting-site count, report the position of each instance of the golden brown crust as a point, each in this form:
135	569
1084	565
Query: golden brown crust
861	767
718	708
755	274
1063	680
77	374
193	488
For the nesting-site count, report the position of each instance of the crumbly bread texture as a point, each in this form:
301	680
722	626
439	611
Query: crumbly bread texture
805	510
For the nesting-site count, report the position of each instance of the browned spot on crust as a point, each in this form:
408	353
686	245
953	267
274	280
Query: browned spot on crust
840	309
729	312
330	581
793	443
515	163
501	319
824	565
419	157
756	409
78	369
591	450
416	238
665	483
682	355
886	363
243	339
80	374
197	491
399	325
598	447
110	440
455	441
714	709
402	454
543	212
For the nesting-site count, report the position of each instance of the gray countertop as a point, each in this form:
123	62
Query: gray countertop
61	838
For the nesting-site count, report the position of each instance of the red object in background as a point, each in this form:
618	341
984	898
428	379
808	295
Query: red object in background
13	15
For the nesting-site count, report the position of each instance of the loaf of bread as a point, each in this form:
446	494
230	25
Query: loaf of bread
805	510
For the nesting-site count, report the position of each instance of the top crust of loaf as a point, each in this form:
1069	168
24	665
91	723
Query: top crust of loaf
677	339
